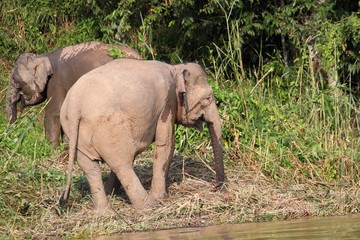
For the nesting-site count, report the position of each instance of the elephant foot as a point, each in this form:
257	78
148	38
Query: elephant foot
160	196
148	203
101	210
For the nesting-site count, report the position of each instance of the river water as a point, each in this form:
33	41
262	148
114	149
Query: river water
340	227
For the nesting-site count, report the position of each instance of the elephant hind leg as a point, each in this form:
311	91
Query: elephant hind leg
114	145
121	164
93	174
134	189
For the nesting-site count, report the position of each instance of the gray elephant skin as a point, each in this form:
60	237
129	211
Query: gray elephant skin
50	76
114	112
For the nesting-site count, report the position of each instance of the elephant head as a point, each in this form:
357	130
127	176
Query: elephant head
196	104
27	83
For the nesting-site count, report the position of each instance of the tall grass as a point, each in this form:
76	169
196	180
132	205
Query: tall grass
281	125
286	120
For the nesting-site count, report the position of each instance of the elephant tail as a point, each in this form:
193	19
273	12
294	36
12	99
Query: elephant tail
73	121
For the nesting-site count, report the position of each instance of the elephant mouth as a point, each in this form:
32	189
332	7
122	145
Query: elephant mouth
25	97
199	125
29	100
196	123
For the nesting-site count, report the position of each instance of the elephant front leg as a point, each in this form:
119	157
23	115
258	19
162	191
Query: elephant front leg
164	150
52	124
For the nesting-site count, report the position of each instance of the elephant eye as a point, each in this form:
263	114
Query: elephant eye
15	76
16	82
206	101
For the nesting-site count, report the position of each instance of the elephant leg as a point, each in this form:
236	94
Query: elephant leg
93	174
52	129
134	189
112	184
160	171
56	95
164	150
119	155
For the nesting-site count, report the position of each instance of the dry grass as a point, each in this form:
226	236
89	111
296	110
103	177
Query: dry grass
248	196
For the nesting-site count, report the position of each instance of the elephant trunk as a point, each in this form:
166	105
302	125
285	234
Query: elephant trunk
12	98
213	121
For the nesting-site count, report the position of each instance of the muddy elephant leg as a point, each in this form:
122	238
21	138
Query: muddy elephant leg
112	184
93	174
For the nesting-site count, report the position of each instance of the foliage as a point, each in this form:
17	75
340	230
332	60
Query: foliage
285	75
169	30
24	29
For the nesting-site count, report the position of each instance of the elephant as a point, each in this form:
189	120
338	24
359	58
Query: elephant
51	75
116	111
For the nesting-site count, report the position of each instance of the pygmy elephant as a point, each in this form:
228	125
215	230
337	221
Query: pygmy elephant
115	111
50	75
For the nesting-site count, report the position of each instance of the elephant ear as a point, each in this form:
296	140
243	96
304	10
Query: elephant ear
181	90
42	70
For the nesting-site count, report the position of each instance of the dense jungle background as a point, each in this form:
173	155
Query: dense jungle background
286	76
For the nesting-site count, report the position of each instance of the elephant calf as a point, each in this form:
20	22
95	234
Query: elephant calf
51	75
117	110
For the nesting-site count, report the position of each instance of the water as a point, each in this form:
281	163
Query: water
344	227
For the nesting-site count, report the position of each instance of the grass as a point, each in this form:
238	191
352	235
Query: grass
291	150
284	160
30	210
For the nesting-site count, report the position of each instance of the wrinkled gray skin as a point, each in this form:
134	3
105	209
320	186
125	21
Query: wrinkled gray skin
37	77
115	111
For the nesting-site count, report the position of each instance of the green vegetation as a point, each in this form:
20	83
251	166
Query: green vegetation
286	78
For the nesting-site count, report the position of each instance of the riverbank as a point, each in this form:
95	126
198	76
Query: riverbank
248	196
342	227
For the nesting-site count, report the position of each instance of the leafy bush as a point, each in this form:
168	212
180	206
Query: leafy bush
285	75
